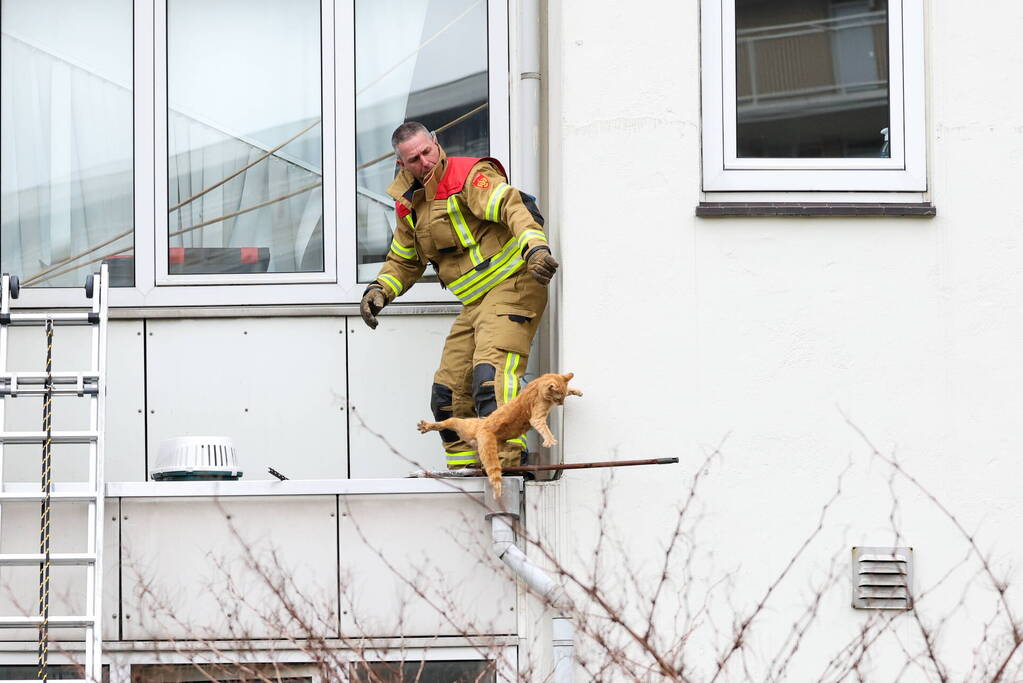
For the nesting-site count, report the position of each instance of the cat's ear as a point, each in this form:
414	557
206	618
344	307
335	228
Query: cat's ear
569	376
550	389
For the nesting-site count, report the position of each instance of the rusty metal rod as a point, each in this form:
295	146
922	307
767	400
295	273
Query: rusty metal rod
476	472
587	465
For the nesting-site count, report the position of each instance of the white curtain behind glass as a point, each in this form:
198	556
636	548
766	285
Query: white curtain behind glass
244	77
66	149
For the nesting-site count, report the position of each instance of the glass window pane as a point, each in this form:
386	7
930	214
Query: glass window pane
431	69
244	136
214	671
812	78
425	672
66	140
54	672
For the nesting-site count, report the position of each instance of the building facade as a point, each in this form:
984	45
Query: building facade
785	260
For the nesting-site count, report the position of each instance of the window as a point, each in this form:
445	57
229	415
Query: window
229	153
424	672
54	672
421	82
819	95
244	137
219	672
66	164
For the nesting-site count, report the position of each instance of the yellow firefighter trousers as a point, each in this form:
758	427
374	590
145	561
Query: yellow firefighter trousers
484	360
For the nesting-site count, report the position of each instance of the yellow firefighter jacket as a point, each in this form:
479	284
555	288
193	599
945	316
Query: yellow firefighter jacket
467	221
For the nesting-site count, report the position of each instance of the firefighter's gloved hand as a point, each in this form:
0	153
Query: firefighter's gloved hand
541	265
373	300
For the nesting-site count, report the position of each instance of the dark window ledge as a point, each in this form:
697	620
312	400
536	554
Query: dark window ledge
716	209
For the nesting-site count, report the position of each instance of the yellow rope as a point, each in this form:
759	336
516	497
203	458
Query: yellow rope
44	522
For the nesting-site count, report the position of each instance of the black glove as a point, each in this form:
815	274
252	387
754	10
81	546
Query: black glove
541	265
373	300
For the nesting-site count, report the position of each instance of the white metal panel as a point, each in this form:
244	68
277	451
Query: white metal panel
390	376
296	487
125	442
419	566
124	457
203	568
19	586
275	386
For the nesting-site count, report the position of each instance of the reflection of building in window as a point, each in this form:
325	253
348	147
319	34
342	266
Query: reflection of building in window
424	672
54	672
66	151
434	107
234	96
812	78
438	76
221	673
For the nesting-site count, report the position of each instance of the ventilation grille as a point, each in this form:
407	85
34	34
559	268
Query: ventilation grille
882	578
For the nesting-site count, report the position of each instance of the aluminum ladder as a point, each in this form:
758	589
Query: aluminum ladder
90	385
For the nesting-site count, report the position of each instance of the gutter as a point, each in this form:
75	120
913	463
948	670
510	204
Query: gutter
539	581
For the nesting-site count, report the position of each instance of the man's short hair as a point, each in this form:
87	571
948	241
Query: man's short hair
408	130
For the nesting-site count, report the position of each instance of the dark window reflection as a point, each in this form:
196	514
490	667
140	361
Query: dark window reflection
438	76
424	672
812	78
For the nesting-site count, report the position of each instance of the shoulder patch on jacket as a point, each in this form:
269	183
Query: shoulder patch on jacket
481	181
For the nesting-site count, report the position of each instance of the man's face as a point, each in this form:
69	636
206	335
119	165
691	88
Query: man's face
418	155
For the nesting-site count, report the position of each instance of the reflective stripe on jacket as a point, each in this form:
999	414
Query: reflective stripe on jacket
470	224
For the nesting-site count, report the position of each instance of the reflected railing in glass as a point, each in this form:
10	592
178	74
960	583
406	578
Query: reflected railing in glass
66	147
244	137
816	86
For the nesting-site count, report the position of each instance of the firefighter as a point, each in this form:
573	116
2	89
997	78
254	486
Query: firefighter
486	242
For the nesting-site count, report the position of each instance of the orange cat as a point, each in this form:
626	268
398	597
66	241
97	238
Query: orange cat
530	408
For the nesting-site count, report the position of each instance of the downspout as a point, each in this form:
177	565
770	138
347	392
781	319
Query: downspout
542	583
527	146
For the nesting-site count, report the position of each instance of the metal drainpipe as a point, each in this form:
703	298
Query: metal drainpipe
527	148
528	152
541	582
529	89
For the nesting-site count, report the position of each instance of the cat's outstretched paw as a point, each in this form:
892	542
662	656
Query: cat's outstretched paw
423	426
547	443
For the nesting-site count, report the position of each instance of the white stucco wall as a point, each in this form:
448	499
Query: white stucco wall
683	331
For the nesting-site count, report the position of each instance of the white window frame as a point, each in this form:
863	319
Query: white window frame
904	171
338	285
329	128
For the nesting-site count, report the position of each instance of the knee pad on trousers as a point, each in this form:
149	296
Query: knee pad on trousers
484	397
440	404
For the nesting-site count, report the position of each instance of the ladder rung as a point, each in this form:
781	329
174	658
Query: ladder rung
40	437
63	318
56	559
87	390
34	383
54	622
58	377
55	496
